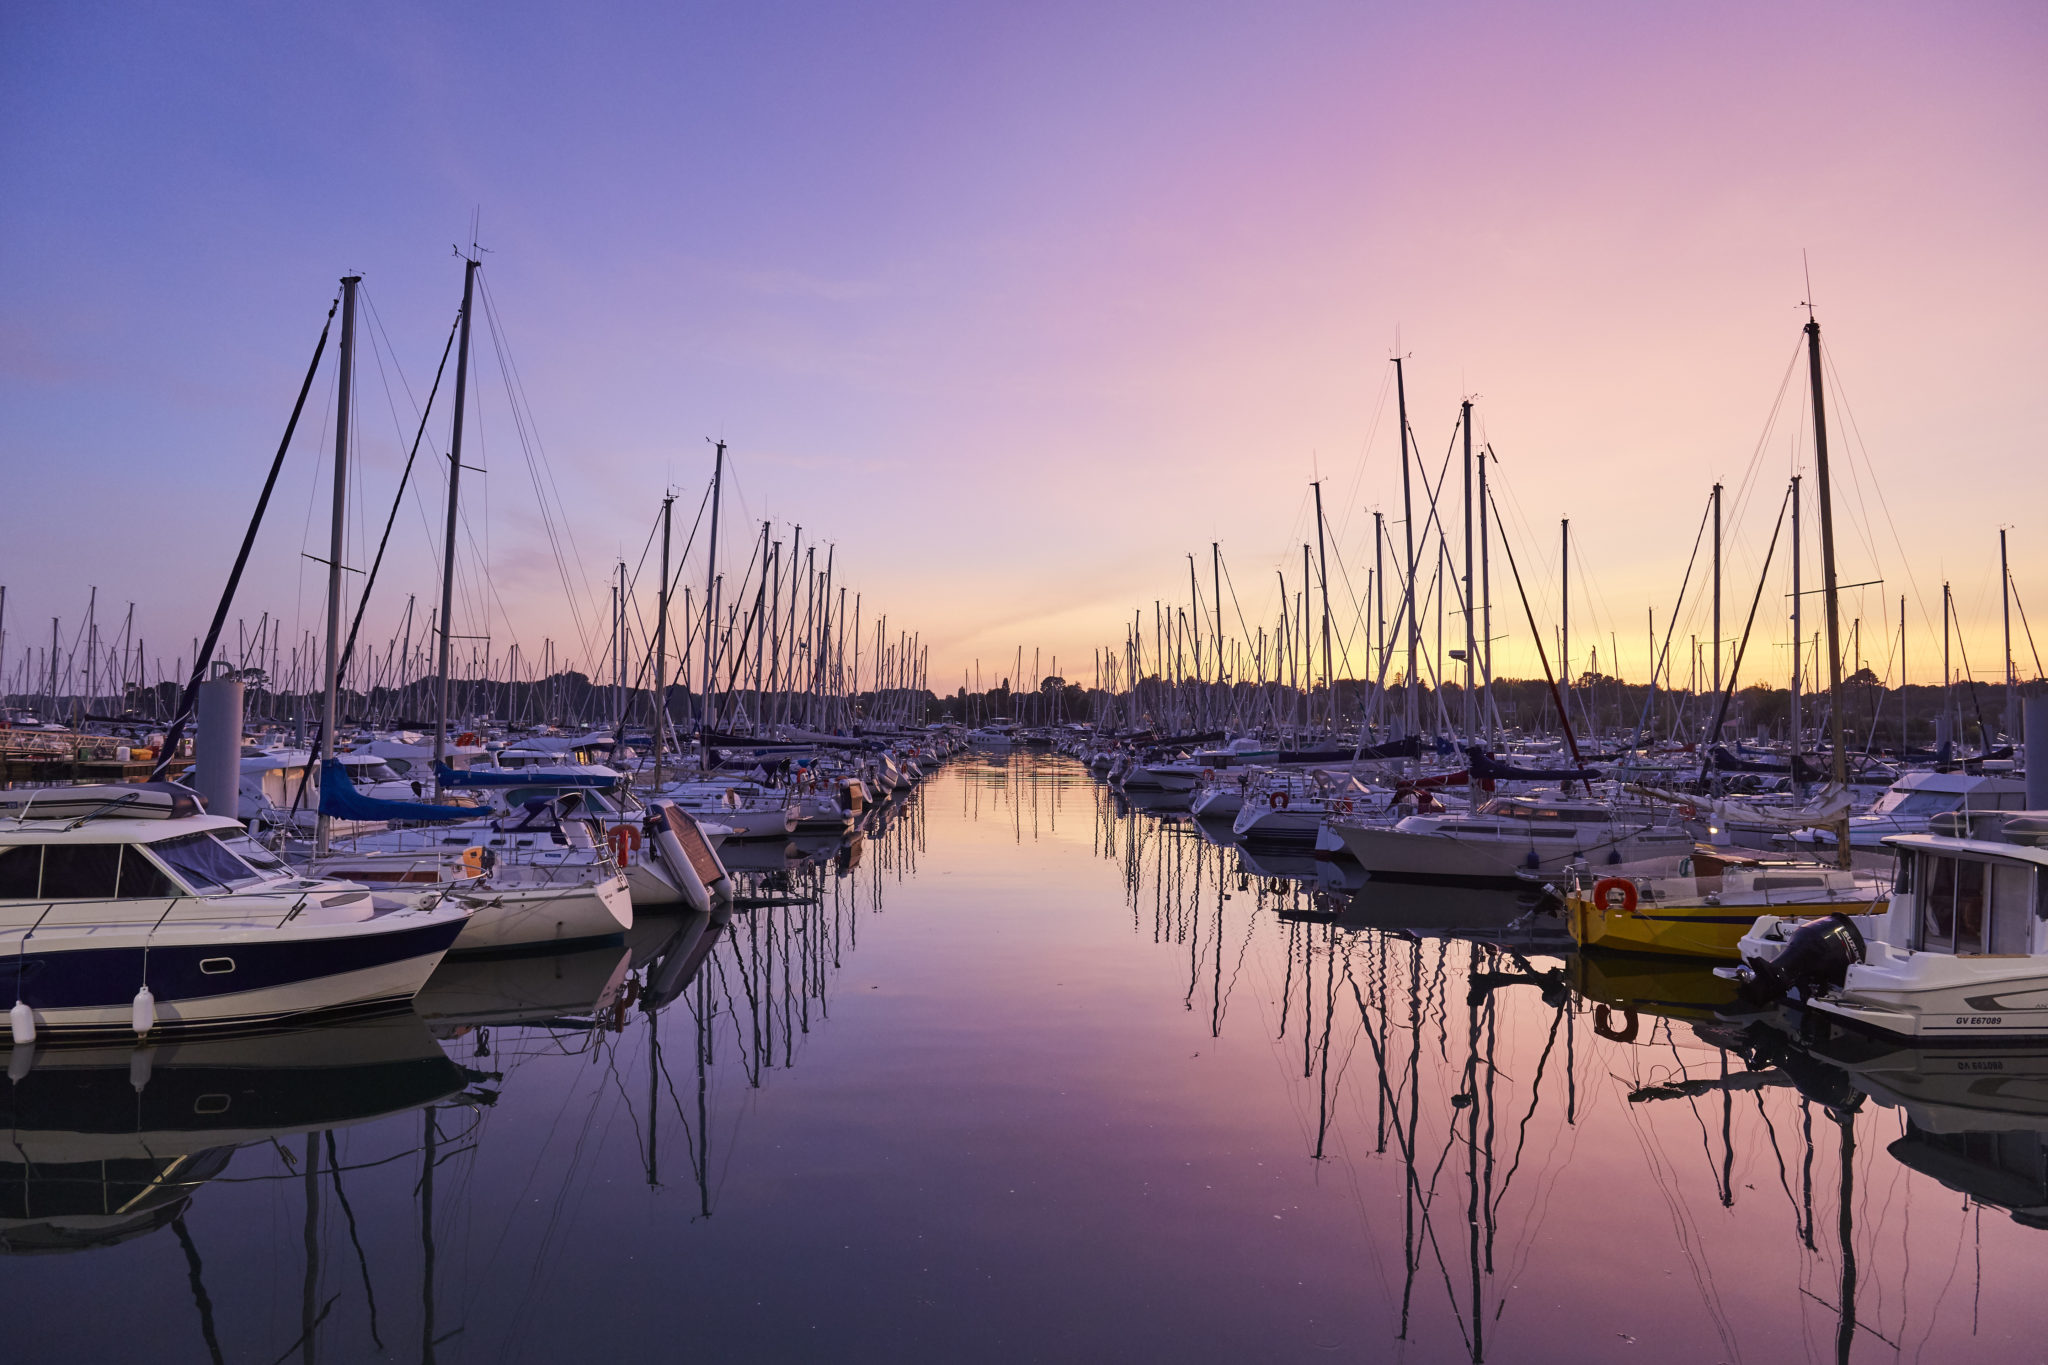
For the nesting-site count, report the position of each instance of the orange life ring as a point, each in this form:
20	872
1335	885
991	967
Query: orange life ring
1603	1024
1208	774
623	839
1603	895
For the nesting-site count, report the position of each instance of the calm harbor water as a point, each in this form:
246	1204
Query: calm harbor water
1024	1074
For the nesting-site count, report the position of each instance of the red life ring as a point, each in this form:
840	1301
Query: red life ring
1603	1024
623	839
1603	895
1278	800
1208	774
465	739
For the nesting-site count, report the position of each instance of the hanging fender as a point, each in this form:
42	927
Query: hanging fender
1604	892
1603	1024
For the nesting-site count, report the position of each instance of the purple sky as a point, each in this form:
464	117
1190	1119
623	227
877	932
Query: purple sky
1020	306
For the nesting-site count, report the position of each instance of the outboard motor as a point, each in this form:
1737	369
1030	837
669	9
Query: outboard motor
1817	953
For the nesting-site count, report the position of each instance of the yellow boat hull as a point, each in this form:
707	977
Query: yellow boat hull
1713	931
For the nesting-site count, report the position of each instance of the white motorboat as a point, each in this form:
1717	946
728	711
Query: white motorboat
111	925
1911	802
1960	953
1510	838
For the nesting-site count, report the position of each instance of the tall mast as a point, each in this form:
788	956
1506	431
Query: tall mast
1323	568
1412	715
668	504
1564	622
710	608
1828	582
1486	594
1798	652
1471	625
469	265
330	711
2005	596
1216	586
1948	678
1379	606
1717	573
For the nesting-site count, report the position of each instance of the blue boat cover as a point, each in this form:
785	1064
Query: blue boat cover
340	799
527	777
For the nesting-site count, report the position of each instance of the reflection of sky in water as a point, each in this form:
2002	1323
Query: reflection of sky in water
1064	1084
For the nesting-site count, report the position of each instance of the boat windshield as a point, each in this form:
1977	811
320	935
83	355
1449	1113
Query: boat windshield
205	863
1918	803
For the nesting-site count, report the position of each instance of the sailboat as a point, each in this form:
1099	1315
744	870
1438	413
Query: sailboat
1704	904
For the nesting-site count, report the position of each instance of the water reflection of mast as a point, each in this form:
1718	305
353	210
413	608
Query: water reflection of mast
199	1295
431	1138
1845	1334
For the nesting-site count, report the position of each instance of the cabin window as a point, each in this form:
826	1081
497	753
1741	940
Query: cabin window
2012	909
1938	906
80	871
21	869
142	879
401	766
204	863
1972	882
1781	883
1902	874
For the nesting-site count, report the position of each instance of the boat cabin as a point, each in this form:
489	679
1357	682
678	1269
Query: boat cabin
1972	886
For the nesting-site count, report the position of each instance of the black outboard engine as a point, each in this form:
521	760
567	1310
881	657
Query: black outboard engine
1817	953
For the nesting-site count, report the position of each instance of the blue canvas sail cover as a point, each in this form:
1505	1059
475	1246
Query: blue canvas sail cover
340	799
1726	762
525	777
1484	765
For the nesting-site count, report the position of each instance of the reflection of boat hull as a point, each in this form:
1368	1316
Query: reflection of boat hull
474	992
1413	906
108	1144
1948	1089
1281	863
85	1104
1153	799
1673	990
757	855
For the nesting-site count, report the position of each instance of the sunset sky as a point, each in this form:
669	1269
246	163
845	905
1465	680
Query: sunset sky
1017	306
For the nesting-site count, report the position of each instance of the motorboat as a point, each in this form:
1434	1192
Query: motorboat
1959	952
1508	837
1915	799
1701	904
117	925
